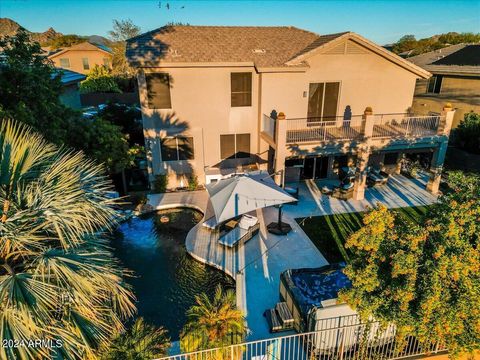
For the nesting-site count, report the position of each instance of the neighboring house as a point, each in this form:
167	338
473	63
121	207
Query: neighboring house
82	57
70	95
217	99
456	79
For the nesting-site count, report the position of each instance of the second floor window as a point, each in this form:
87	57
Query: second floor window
64	62
158	91
177	148
434	85
235	146
86	65
241	87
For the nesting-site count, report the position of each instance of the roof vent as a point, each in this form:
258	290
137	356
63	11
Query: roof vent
174	52
259	51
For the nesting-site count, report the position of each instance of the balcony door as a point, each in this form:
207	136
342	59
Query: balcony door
323	101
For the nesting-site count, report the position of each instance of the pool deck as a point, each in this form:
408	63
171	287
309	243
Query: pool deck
257	265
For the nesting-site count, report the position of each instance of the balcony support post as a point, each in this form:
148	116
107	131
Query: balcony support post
444	128
281	146
436	167
363	155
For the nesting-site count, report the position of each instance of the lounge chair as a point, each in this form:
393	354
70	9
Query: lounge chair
211	223
247	227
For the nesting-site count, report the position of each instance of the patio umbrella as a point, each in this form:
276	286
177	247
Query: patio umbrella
244	193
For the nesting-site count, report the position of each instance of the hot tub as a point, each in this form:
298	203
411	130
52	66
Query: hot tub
311	295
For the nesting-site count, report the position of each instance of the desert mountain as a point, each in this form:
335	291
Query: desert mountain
10	27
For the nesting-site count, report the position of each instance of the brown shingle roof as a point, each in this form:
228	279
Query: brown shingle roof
436	61
84	46
264	46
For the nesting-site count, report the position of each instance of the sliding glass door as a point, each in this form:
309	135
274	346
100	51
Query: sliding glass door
323	101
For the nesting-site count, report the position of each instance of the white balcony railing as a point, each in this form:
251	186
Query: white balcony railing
356	128
401	125
346	342
336	129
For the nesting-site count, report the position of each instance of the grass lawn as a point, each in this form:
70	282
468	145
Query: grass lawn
330	232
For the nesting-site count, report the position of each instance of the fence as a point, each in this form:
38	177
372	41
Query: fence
95	99
347	342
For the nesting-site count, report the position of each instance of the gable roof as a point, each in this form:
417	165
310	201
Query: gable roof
460	59
263	47
84	46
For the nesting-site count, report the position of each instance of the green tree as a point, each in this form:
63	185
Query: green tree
99	79
407	42
213	322
30	88
140	342
467	133
121	32
58	278
129	118
425	279
101	140
66	41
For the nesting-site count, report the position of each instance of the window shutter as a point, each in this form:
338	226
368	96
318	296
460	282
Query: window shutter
158	89
227	146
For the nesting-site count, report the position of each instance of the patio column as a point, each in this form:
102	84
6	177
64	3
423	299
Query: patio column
363	155
438	158
281	147
398	165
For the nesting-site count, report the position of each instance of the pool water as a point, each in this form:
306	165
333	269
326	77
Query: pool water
166	278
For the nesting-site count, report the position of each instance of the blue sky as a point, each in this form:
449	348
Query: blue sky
380	21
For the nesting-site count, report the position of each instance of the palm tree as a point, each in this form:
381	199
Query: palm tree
141	342
213	323
59	282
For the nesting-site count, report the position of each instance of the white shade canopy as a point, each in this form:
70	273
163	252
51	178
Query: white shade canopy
241	194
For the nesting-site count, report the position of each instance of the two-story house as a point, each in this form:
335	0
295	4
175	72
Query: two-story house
82	57
218	99
456	79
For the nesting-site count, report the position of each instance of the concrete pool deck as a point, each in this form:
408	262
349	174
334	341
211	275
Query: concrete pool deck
257	265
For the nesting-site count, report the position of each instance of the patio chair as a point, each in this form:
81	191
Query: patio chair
343	193
247	228
377	177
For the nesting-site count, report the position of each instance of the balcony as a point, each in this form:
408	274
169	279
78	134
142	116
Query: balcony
356	128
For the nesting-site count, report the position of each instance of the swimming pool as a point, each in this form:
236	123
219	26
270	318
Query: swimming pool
166	278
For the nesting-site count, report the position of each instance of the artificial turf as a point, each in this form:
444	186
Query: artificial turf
330	232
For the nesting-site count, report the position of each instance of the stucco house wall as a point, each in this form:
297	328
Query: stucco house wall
200	98
95	57
365	80
461	92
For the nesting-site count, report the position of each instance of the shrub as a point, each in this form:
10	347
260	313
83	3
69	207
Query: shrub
193	182
99	79
160	183
468	133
